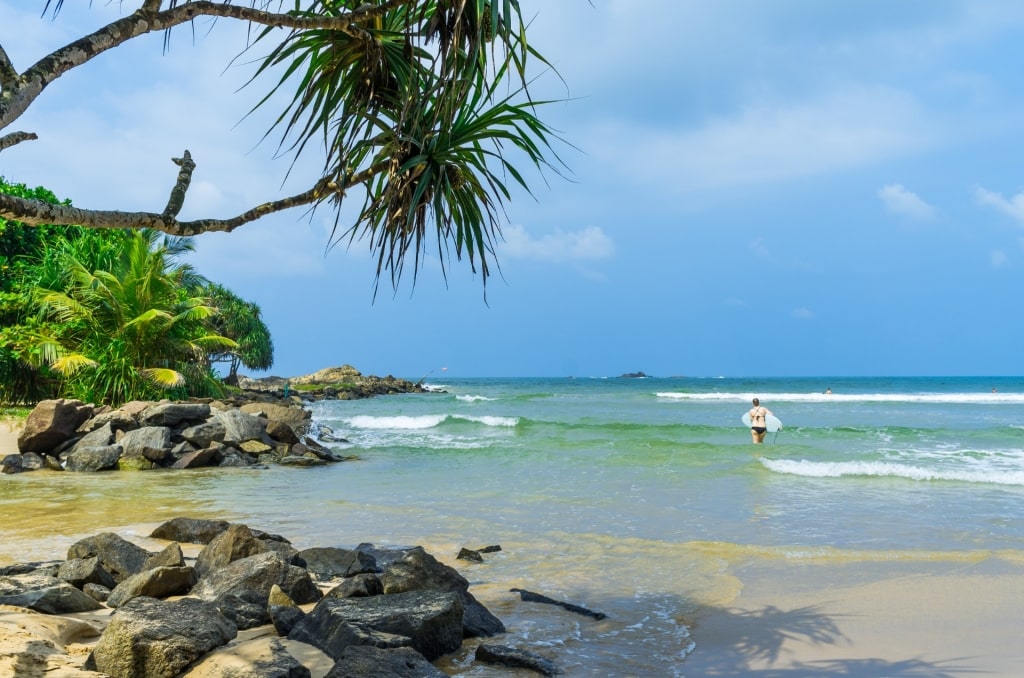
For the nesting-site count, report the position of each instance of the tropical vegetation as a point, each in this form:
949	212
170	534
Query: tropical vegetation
111	316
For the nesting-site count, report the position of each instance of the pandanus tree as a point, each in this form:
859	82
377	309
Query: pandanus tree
419	108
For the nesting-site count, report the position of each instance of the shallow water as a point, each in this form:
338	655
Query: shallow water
639	498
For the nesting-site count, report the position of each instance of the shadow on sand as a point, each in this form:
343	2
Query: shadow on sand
744	643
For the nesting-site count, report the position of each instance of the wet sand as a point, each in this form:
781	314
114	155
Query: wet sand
867	621
9	436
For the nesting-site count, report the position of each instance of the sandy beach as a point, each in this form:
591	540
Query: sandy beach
930	619
9	436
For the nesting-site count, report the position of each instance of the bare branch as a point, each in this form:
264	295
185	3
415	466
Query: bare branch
14	138
177	198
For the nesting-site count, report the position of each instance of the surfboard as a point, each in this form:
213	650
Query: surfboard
771	422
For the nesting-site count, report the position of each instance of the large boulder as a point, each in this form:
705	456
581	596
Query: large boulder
100	436
276	412
419	570
242	588
81	571
329	562
90	459
264	658
239	426
204	434
430	622
158	639
136	443
12	463
52	423
172	414
190	530
118	556
363	661
232	544
45	594
159	582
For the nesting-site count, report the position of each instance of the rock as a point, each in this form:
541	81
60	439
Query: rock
12	463
468	554
264	658
51	423
330	562
137	442
190	530
118	556
172	414
359	586
81	571
282	432
239	426
276	412
242	588
99	437
531	597
516	658
159	582
361	661
284	613
48	595
97	592
92	459
118	420
419	570
171	556
293	460
158	639
31	461
205	457
202	435
232	544
430	622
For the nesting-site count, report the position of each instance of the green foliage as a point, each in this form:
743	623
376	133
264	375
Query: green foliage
240	321
132	331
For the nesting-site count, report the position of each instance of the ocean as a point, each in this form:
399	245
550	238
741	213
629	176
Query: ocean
640	498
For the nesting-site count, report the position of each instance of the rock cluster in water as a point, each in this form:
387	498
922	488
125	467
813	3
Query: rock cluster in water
370	611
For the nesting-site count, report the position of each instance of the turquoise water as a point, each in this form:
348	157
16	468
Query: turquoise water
640	498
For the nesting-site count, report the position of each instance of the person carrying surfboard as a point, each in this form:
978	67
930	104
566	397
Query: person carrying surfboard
758	425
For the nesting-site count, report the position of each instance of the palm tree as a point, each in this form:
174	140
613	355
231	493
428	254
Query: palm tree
240	321
133	329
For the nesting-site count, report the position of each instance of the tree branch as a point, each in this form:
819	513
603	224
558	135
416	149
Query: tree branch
14	138
8	73
177	198
25	90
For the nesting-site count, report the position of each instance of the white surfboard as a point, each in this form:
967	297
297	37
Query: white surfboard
771	422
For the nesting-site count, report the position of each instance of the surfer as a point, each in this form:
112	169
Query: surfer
758	427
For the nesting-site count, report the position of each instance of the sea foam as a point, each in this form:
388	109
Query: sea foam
815	469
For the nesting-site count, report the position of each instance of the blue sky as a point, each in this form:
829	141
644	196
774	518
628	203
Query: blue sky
779	188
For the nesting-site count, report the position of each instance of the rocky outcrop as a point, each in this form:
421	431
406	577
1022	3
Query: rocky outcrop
332	383
421	613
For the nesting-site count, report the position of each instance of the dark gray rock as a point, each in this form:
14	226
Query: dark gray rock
32	461
97	592
419	570
159	582
98	437
172	414
359	586
190	530
232	544
430	622
329	562
170	556
284	613
81	571
12	463
91	459
363	661
293	460
48	595
118	556
516	659
241	589
239	426
202	435
158	639
137	442
118	420
51	423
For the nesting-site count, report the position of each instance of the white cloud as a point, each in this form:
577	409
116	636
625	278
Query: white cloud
1012	207
998	258
587	244
906	203
772	140
802	313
